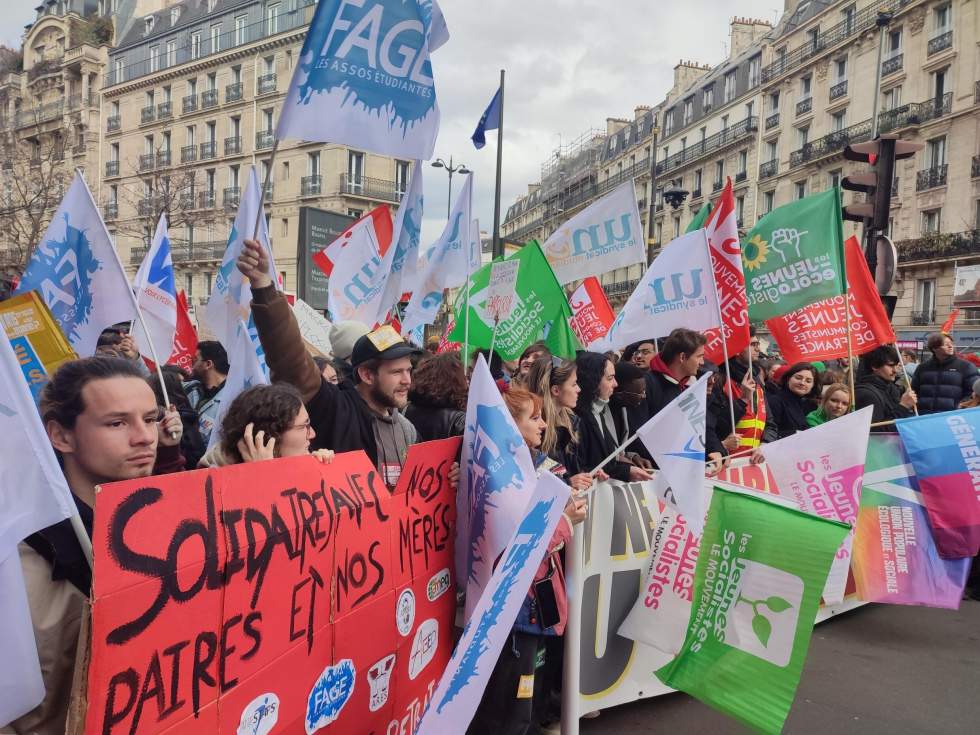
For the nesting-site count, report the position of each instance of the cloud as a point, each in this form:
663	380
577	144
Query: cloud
570	64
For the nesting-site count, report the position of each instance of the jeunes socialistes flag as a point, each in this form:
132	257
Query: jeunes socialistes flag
894	555
591	313
540	308
757	588
721	228
944	451
819	331
795	256
364	79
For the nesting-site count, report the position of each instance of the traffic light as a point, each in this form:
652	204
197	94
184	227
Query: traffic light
881	154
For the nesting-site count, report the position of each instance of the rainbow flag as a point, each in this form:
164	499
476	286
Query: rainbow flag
944	451
894	554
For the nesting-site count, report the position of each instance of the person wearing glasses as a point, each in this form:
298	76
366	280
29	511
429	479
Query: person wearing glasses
876	387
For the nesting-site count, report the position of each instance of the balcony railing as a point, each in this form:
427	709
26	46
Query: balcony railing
370	188
207	150
976	93
233	92
311	186
921	318
717	185
804	106
188	153
112	168
232	195
892	65
206	200
187	200
189	103
209	98
165	110
769	169
163	158
741	176
618	288
146	161
772	121
861	21
266	84
831	144
975	168
148	206
939	245
939	43
696	193
233	145
111	210
709	145
263	140
838	90
930	178
915	113
147	114
640	168
113	124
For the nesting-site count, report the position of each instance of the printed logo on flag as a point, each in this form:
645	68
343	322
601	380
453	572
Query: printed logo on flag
763	620
685	291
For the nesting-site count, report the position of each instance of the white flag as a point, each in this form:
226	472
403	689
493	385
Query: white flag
497	481
231	295
822	470
246	368
675	439
156	295
77	272
446	265
605	235
364	80
21	683
357	280
676	291
401	262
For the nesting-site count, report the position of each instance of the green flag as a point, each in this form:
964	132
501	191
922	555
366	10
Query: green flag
541	308
700	218
761	569
794	256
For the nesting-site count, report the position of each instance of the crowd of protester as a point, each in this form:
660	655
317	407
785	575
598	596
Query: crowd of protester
107	420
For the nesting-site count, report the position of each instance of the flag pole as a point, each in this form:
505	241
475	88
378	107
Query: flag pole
721	330
905	372
493	340
851	371
265	185
498	249
571	670
84	540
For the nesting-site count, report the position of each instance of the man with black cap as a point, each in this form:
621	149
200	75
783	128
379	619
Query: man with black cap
362	414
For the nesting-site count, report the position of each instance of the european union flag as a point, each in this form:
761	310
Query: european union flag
489	121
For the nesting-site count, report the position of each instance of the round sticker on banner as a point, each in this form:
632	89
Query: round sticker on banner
437	585
423	647
260	715
405	612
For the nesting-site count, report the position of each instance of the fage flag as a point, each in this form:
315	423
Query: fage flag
364	78
156	295
945	454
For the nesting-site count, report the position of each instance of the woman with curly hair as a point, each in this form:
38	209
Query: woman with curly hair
266	422
437	398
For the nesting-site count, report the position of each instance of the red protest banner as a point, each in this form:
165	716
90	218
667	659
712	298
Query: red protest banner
185	338
444	344
592	316
285	594
819	331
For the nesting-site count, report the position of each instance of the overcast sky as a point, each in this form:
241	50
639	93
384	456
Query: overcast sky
570	64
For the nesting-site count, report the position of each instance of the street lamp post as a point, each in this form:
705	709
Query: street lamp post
654	134
450	169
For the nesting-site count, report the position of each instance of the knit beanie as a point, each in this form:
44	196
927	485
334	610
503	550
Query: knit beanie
343	335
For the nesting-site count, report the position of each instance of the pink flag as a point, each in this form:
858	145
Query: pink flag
591	313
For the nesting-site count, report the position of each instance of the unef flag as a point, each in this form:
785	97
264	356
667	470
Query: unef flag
364	78
726	262
156	295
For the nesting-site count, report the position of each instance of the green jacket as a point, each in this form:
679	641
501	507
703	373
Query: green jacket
815	418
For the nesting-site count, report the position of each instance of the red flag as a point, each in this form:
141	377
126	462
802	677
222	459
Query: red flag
726	262
948	324
383	228
444	344
592	316
185	338
819	331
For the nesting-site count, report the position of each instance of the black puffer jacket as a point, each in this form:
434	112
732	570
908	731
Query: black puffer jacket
942	385
435	422
885	399
789	411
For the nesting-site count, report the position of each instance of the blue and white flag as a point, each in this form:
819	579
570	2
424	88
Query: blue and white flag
156	295
246	368
447	263
231	295
675	439
77	272
677	290
489	121
461	687
364	78
401	261
497	480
